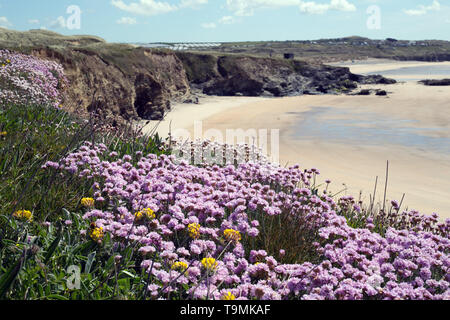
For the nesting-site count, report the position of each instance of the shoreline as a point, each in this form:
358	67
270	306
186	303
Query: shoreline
422	174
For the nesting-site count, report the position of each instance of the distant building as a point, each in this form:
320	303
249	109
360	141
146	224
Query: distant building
289	56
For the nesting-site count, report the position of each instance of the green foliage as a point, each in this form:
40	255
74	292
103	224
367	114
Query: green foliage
35	256
34	135
39	270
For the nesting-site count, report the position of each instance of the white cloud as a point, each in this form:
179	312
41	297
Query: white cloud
318	8
192	3
421	10
247	7
60	22
127	20
227	20
210	25
145	7
152	7
33	21
342	5
4	22
313	8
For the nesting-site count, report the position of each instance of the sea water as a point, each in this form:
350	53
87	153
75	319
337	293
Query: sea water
337	125
417	73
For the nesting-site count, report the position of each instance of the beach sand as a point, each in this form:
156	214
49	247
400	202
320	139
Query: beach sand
421	171
380	65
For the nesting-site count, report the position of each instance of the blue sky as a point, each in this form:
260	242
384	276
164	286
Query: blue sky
232	20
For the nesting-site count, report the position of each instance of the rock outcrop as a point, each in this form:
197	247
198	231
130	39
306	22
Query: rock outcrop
114	80
231	75
439	82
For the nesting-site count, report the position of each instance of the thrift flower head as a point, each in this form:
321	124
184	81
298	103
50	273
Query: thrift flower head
228	296
209	264
194	230
87	202
23	215
232	235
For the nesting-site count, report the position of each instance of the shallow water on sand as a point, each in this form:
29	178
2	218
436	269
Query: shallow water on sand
330	124
417	72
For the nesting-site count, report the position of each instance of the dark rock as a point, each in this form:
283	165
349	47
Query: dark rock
364	92
376	79
381	93
253	76
192	100
442	82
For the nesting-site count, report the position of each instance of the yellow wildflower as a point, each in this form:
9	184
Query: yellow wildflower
146	213
180	265
209	264
194	230
228	296
232	235
3	133
87	202
23	215
97	234
139	215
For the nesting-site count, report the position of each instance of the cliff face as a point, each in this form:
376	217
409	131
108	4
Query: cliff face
120	80
231	75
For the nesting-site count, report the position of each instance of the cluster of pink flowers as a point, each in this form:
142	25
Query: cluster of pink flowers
352	263
26	79
379	220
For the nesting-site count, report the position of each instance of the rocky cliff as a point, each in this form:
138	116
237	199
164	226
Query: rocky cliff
229	75
113	80
123	82
116	81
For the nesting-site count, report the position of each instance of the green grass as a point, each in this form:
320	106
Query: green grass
34	257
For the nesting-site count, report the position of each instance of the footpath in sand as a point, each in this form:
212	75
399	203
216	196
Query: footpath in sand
350	138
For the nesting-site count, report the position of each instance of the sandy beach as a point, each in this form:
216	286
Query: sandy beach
380	65
350	138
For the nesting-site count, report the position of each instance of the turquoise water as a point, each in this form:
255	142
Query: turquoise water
425	72
366	129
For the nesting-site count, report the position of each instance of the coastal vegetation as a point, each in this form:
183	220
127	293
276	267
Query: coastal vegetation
91	211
